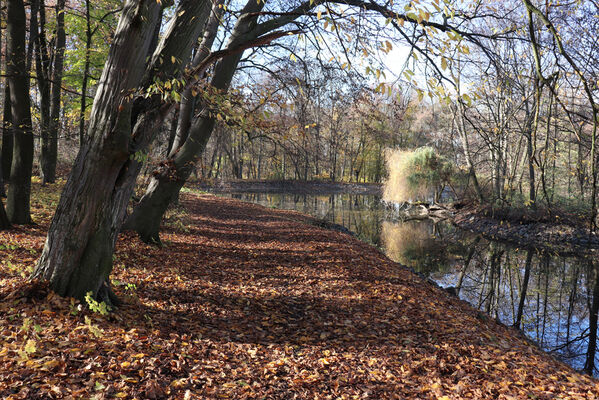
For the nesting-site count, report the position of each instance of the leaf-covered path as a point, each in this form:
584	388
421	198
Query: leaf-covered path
249	302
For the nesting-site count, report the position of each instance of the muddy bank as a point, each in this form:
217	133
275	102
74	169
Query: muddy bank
559	238
293	187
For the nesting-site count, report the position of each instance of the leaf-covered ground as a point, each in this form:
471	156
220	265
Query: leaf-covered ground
249	302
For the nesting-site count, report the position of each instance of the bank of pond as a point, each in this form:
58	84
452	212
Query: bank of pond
552	298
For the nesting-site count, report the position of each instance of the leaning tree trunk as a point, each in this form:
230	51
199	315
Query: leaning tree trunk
171	175
167	181
169	178
19	190
77	256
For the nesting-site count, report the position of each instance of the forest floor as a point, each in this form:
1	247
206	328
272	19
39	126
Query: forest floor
559	234
249	302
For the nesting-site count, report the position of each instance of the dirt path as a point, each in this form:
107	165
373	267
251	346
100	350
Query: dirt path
250	302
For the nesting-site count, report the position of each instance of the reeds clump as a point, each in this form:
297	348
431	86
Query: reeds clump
415	175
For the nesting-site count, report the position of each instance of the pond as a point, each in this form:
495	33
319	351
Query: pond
548	296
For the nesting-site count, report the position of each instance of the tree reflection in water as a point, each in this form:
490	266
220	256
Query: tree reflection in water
553	299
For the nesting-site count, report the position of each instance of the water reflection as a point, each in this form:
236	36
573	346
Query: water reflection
361	214
553	299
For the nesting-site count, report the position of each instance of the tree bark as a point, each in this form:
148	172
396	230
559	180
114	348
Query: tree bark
22	161
166	183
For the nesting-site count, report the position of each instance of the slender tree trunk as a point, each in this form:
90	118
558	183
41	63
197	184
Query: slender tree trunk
33	11
88	45
467	153
530	157
2	192
51	157
19	191
7	134
42	68
172	131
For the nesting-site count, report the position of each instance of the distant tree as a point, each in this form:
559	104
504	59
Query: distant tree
49	61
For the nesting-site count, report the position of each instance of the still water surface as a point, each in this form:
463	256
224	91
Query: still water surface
550	297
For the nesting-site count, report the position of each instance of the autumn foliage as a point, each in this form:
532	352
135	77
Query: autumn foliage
248	302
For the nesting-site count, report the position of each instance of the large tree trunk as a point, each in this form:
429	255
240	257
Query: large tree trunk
77	257
19	190
171	175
